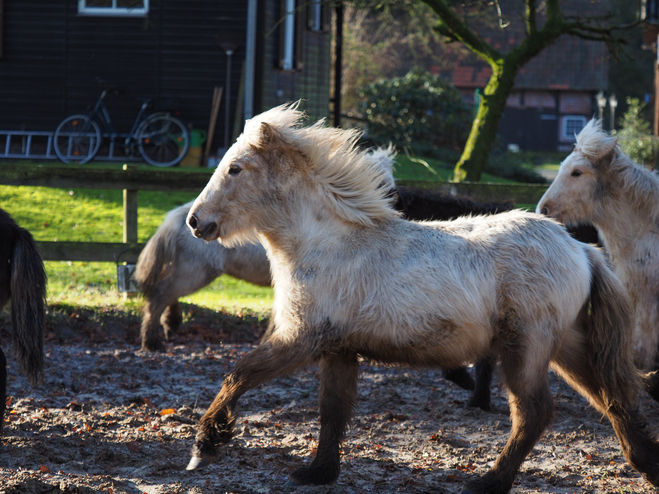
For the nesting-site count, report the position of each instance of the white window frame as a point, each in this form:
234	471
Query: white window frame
565	136
288	61
113	11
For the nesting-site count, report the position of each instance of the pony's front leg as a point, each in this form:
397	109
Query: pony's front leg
338	389
259	366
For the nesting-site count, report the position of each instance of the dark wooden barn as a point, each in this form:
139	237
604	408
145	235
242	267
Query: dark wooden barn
52	53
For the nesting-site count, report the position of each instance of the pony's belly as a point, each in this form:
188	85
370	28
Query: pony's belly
445	344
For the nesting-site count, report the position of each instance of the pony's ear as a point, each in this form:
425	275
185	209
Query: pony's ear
268	136
606	155
606	149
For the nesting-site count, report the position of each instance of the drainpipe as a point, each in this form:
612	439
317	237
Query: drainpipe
250	59
338	64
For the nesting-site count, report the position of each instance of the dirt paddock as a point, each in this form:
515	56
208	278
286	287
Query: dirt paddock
110	418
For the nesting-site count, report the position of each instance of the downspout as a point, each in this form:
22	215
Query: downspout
250	59
338	63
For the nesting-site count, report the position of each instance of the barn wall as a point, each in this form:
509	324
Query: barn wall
52	58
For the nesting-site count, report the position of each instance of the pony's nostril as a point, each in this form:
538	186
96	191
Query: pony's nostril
192	221
545	211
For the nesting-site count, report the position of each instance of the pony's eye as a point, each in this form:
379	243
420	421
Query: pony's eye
576	173
234	170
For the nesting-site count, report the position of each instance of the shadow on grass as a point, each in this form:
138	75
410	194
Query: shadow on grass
69	324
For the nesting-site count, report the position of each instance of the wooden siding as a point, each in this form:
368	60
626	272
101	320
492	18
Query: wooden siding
52	58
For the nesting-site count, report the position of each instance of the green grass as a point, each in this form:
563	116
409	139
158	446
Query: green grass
428	169
96	215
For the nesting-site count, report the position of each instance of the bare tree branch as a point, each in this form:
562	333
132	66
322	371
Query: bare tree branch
452	26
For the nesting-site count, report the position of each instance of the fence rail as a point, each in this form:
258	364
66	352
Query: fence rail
130	179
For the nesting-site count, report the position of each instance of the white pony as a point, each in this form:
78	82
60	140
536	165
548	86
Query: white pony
174	264
597	183
352	278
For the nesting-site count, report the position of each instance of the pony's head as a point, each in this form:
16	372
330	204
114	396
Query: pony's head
573	195
278	170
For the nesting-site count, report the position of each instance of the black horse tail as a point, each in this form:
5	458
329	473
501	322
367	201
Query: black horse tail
28	305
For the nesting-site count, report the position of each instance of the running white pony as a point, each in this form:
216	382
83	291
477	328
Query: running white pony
352	278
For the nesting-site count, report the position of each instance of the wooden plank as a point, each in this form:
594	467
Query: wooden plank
104	178
130	216
130	211
90	251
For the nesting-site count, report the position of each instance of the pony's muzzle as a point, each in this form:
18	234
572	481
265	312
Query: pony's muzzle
201	230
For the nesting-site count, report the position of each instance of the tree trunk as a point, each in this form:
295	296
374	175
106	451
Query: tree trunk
486	124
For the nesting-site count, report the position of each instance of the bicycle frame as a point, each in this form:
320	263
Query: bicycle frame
101	114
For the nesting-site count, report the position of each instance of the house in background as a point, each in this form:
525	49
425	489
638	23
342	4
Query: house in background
554	94
52	53
553	97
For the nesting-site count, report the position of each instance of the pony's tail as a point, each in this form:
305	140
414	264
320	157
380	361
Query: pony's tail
154	259
615	382
28	305
609	333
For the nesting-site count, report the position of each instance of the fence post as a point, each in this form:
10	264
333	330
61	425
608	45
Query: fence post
130	211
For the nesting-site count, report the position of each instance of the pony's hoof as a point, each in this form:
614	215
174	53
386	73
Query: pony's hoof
153	346
478	403
196	462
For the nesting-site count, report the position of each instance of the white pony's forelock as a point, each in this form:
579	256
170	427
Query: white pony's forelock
594	142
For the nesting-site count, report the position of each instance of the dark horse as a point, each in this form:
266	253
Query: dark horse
23	280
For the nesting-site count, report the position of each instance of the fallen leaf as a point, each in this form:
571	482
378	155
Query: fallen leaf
44	468
166	411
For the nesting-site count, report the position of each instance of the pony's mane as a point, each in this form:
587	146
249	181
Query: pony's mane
350	178
641	185
592	140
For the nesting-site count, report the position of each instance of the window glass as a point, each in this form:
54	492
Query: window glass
572	125
136	8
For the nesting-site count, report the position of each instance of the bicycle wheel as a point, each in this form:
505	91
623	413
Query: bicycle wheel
77	139
163	140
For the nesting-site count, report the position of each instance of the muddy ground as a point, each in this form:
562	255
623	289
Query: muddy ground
110	418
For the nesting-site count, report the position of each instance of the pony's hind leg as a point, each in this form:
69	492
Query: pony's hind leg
460	376
620	406
338	389
480	398
531	410
266	362
153	308
171	319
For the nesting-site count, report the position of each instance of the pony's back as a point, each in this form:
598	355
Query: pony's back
160	257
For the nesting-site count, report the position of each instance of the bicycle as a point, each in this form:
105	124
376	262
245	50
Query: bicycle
160	138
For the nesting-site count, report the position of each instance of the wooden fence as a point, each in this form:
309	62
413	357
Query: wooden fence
131	180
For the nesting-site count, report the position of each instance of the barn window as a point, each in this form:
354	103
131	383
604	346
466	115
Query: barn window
571	126
127	8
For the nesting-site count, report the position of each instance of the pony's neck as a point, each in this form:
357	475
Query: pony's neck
306	228
629	211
